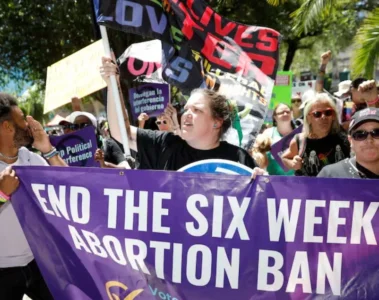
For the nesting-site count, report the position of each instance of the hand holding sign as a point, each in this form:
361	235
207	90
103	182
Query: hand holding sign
297	162
8	181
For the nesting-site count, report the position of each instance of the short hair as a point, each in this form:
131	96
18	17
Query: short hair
220	108
7	101
319	98
357	81
274	123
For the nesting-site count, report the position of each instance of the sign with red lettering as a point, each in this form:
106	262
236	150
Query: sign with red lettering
200	48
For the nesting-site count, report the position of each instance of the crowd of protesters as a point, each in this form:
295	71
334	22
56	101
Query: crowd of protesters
332	144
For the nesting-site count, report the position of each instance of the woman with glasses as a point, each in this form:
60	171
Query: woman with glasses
321	143
295	107
282	125
207	116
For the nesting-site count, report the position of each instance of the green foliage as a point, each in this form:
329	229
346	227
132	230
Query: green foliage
36	34
31	103
366	44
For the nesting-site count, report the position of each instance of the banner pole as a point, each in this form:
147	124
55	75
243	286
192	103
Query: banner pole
116	95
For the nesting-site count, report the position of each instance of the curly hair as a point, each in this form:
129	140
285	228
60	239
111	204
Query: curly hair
220	107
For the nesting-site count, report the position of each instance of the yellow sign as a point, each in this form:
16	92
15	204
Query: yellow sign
76	75
123	287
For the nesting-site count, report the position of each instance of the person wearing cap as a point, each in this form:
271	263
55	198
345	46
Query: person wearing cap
364	141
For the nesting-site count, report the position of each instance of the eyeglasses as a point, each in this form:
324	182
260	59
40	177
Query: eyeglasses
282	113
293	101
361	135
319	113
161	122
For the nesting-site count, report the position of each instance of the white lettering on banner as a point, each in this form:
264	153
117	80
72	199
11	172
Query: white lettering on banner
79	201
276	221
237	224
299	274
78	148
140	211
287	221
214	267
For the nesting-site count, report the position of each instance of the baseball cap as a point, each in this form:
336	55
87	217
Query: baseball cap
71	118
363	116
343	88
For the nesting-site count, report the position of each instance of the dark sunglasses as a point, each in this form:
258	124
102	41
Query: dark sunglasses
75	126
319	113
160	122
295	101
361	135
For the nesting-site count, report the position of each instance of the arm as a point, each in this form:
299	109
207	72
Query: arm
291	158
171	112
107	69
325	58
8	184
369	93
142	118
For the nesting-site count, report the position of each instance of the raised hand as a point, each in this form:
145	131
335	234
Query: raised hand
8	181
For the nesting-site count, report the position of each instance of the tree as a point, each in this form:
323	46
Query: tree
31	103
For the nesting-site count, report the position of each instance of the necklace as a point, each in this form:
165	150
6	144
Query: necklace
9	157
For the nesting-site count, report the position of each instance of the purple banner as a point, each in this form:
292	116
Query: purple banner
107	234
150	98
77	148
279	147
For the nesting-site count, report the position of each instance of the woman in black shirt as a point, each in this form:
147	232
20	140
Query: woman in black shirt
206	118
321	143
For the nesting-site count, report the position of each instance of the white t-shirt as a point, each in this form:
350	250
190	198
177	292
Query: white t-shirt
14	248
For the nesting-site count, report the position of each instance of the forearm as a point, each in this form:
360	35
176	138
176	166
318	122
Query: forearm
57	161
288	163
320	78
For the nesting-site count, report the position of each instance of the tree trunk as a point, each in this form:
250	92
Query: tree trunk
292	48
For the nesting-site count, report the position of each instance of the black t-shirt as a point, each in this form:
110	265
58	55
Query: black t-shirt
348	168
112	152
318	153
159	150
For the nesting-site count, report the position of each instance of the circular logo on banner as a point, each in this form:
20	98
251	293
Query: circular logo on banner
217	166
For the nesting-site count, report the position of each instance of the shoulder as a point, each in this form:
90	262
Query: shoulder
337	170
268	132
242	155
34	159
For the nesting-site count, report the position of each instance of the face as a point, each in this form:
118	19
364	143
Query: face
197	122
282	114
366	150
163	123
295	103
356	96
22	136
81	122
321	117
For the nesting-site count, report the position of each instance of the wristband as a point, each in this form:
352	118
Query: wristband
3	197
51	153
373	102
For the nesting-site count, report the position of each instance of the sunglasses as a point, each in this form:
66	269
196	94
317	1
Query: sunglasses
161	122
295	101
361	135
319	113
75	126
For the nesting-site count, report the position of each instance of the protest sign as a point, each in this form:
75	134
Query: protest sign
175	235
150	98
76	75
282	145
77	148
281	93
203	49
301	87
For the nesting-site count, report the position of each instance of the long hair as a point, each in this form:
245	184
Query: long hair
321	97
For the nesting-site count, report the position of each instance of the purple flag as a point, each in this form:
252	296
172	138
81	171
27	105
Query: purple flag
279	147
110	234
77	148
150	98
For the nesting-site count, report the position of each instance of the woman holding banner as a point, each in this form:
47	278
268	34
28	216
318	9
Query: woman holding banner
206	118
321	143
